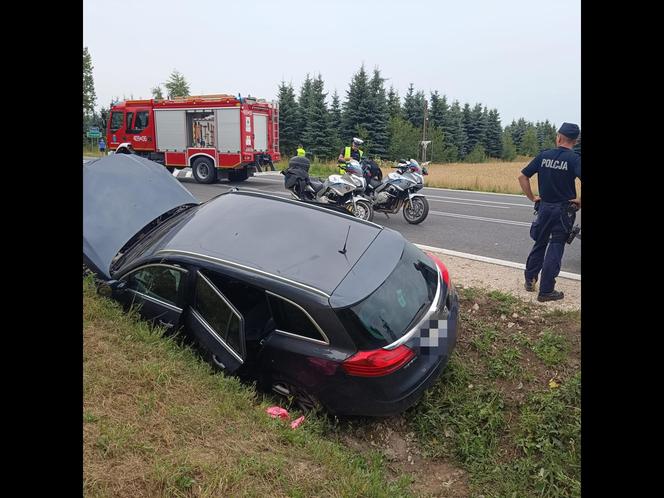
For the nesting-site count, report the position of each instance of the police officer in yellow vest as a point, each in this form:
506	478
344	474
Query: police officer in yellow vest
300	151
352	152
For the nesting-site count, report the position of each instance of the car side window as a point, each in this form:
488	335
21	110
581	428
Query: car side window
219	314
159	281
291	319
248	300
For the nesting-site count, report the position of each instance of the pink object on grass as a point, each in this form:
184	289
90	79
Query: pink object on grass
277	412
297	422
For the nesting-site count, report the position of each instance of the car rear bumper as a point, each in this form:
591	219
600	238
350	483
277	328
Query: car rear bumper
395	393
371	407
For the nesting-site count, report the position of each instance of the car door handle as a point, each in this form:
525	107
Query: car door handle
165	325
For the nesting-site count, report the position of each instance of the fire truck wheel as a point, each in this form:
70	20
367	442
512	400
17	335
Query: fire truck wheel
204	171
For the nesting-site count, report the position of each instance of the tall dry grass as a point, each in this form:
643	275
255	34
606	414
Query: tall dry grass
488	177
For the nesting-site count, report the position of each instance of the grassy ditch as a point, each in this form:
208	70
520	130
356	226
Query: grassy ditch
158	422
502	421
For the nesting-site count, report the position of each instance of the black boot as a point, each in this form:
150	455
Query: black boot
551	296
529	285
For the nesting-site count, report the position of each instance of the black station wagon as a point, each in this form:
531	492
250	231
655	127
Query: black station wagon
313	304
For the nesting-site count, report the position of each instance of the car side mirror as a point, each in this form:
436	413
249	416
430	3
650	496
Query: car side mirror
107	289
118	285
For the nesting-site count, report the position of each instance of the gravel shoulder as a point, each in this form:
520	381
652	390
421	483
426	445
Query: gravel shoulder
470	273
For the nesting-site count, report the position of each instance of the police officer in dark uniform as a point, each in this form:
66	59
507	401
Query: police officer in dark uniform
556	171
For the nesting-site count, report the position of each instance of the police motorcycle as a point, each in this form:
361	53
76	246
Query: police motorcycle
345	191
399	190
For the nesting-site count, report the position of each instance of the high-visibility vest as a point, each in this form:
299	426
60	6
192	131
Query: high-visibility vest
348	149
300	152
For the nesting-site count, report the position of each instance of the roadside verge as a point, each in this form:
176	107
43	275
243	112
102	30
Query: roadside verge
472	273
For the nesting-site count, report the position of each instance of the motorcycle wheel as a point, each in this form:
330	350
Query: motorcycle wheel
362	210
418	210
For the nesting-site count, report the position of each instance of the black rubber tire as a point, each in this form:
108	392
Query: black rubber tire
422	215
299	398
238	175
367	209
204	170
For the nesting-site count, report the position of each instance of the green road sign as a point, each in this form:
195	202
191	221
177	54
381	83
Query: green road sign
93	134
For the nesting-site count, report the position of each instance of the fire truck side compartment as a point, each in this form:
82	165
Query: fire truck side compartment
170	130
228	130
260	132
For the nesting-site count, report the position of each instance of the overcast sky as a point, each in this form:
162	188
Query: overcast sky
522	57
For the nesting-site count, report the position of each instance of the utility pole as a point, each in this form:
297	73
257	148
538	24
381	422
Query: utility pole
424	143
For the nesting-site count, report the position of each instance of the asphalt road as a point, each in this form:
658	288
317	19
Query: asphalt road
484	224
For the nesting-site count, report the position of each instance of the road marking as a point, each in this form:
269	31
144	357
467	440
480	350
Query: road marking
262	178
475	192
481	218
479	200
435	199
502	262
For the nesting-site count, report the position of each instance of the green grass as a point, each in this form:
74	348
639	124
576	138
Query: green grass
494	412
158	421
485	339
506	303
551	348
506	364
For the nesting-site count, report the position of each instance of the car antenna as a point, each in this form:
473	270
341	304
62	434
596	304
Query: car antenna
343	251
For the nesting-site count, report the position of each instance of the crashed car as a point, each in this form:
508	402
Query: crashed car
318	306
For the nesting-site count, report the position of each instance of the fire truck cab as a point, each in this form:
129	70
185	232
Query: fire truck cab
218	136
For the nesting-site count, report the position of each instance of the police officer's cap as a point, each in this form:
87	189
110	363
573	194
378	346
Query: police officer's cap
570	130
357	141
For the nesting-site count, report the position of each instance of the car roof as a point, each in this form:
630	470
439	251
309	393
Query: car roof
271	235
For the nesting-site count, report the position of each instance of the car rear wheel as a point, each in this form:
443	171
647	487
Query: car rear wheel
204	170
298	396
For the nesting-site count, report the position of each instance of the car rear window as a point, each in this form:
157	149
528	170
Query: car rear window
396	305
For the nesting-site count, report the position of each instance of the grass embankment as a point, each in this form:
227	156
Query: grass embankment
156	422
506	411
91	152
508	407
497	176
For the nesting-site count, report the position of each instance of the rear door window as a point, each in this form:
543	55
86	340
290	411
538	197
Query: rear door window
293	320
220	315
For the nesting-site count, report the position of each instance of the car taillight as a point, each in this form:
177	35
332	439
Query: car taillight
443	269
378	362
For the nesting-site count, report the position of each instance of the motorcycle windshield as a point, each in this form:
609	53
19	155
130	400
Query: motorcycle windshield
400	301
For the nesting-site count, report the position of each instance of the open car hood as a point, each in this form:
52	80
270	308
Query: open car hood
122	194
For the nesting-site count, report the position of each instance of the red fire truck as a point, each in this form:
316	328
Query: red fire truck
218	136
